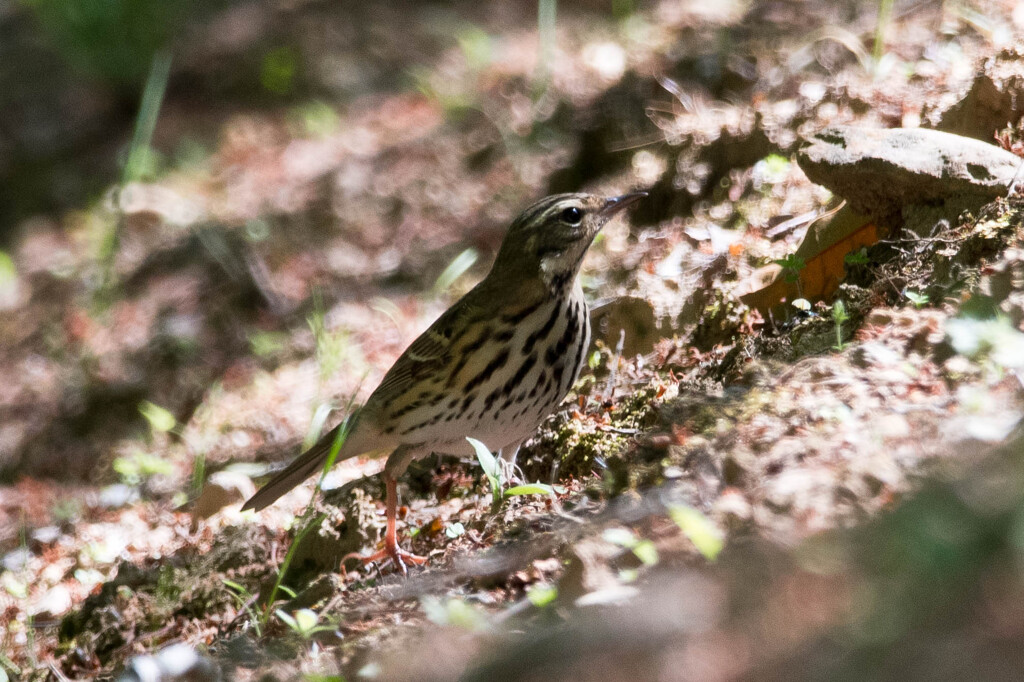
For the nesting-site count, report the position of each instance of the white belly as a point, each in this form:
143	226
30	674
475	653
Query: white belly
509	405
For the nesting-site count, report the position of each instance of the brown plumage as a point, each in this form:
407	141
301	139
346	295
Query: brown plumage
492	367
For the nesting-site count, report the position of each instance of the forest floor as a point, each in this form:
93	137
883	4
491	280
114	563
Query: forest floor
734	483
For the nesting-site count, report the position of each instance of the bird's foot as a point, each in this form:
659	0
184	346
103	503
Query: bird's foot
393	552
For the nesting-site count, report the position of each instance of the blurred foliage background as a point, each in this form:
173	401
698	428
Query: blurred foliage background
306	183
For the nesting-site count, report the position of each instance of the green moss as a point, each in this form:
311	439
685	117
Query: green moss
582	446
720	320
143	600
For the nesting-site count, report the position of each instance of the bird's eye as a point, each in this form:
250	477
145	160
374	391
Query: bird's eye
572	216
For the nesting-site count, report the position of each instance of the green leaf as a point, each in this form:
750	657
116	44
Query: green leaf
159	418
453	612
237	587
839	314
13	586
629	575
530	489
857	258
306	620
316	425
287	620
370	671
487	462
996	340
541	594
491	468
454	530
704	535
457	268
646	552
775	168
278	70
919	300
791	262
8	276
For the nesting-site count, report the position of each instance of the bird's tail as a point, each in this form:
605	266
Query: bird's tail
302	468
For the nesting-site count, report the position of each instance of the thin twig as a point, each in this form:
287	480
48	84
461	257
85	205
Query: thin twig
615	429
61	677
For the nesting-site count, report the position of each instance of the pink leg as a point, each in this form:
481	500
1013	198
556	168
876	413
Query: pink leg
391	549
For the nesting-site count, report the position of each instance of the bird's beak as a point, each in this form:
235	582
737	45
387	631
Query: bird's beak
616	204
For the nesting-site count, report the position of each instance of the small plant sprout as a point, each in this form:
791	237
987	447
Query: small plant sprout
136	467
644	550
309	519
244	600
541	594
493	470
310	524
704	534
160	419
456	269
918	300
881	29
772	169
304	622
791	266
839	316
141	160
859	257
454	612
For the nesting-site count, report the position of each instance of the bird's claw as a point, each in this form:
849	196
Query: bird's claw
396	554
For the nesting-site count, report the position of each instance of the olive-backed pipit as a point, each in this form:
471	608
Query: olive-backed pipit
492	367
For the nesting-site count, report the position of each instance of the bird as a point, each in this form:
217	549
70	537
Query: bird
491	367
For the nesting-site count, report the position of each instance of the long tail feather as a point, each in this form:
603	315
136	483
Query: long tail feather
298	471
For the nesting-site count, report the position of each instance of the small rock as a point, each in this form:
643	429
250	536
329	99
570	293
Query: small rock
55	602
879	172
992	101
117	495
222	489
16	559
175	663
47	535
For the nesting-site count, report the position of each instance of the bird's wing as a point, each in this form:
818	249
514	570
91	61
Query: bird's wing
425	357
429	355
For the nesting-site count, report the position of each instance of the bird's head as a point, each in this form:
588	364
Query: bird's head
549	239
